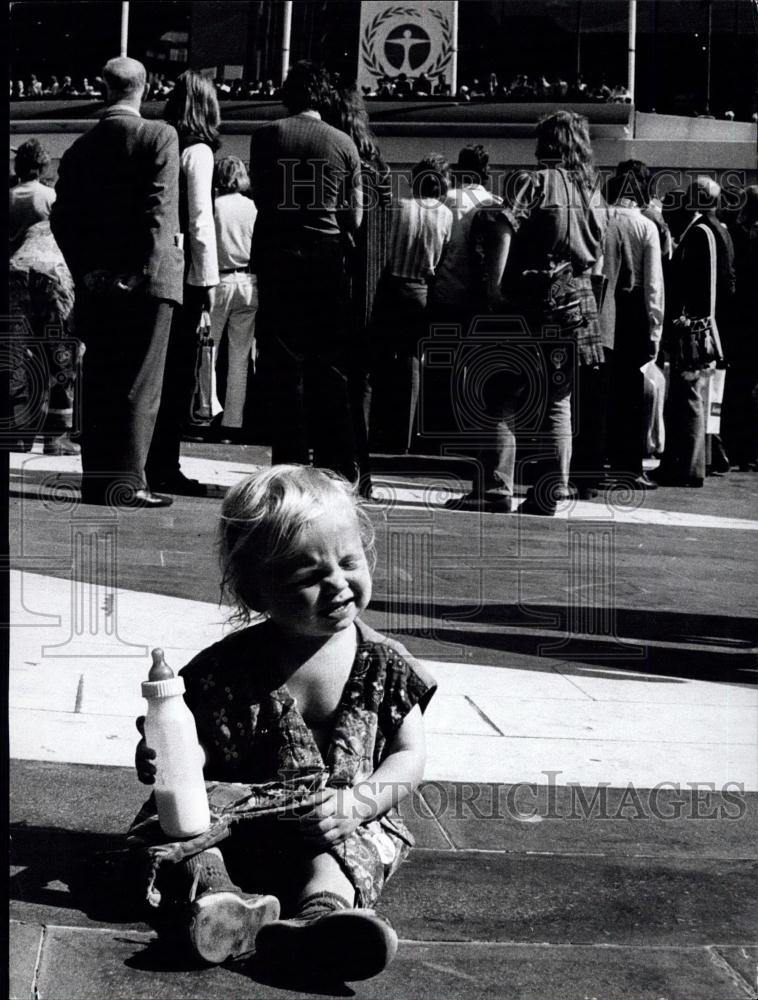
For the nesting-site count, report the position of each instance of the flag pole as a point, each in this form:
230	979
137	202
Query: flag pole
286	36
631	65
708	60
124	29
454	60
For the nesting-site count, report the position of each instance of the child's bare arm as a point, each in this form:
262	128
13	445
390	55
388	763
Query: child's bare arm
337	812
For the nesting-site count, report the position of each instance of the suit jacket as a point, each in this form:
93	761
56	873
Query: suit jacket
689	277
117	205
725	280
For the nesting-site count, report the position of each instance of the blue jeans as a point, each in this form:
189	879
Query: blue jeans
684	416
510	403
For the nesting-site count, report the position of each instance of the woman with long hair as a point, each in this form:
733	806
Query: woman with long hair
366	259
540	249
192	108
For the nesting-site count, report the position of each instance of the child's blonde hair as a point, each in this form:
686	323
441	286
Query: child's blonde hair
262	518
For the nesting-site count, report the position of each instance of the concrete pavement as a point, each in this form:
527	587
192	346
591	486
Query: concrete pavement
560	680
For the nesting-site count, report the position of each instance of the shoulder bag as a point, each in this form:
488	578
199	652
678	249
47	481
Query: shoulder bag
696	342
551	289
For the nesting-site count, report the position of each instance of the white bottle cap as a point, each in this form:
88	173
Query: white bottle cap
162	689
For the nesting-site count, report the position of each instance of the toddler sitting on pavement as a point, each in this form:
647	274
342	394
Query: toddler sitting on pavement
310	687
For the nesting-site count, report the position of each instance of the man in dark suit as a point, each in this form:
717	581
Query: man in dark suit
306	183
116	220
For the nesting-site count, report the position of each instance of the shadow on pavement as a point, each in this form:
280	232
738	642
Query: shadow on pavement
736	632
75	869
712	647
577	655
297	982
172	955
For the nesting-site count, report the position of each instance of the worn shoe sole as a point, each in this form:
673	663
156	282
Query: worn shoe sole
224	925
344	946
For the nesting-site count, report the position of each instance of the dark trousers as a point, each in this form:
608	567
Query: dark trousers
360	393
510	401
310	409
126	339
589	424
441	413
177	389
398	325
304	353
627	424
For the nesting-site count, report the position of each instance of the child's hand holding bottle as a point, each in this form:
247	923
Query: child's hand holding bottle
144	756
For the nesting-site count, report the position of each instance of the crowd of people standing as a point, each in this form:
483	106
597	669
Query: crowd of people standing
323	278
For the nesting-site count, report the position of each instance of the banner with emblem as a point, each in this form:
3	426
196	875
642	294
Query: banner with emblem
411	39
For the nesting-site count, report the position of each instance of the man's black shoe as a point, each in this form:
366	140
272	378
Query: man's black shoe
180	485
487	504
230	435
148	500
126	499
530	507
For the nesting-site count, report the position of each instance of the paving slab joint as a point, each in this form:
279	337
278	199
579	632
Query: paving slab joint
38	963
722	963
438	822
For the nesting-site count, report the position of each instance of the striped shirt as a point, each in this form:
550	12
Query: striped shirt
421	230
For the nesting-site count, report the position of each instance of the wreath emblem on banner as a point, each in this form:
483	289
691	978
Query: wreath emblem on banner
373	30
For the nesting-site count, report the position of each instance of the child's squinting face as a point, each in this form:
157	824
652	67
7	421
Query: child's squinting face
322	587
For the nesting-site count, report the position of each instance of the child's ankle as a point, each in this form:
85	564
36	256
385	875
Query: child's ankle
208	873
318	904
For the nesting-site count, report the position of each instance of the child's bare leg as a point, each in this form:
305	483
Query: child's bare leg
323	874
330	938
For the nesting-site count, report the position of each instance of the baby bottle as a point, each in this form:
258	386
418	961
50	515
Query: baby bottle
170	731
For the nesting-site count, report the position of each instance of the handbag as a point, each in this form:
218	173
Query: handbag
696	343
201	409
553	291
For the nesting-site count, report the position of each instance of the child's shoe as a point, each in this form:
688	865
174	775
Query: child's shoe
224	920
225	924
328	939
